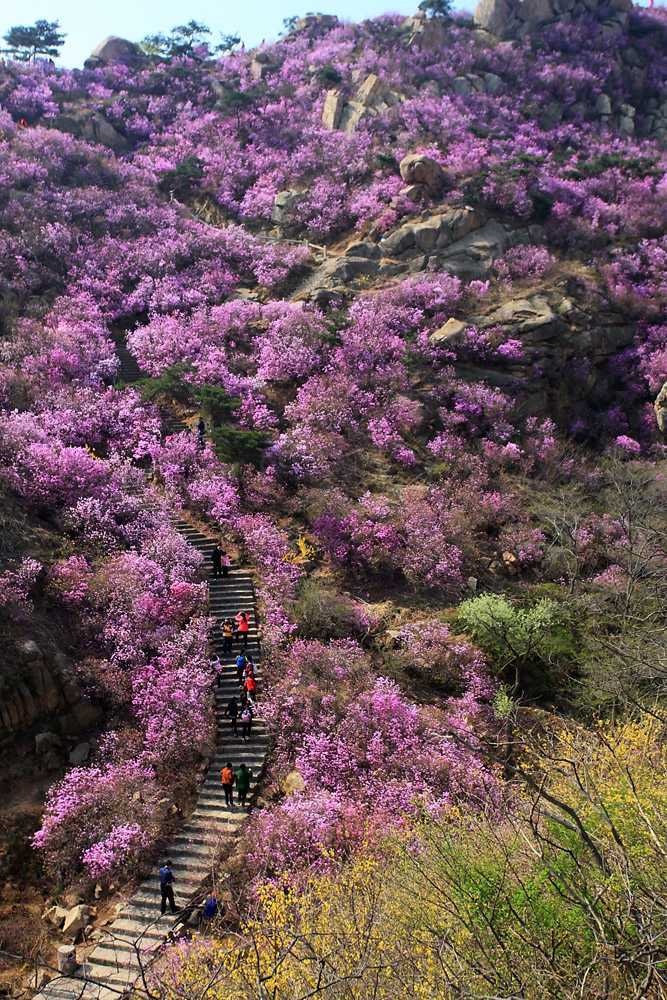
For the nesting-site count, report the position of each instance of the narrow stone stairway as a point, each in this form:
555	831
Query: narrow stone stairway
132	941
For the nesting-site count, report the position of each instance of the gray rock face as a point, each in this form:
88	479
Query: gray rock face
516	18
660	407
116	50
76	919
436	231
471	258
372	98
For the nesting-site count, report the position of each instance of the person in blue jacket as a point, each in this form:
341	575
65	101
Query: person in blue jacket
167	887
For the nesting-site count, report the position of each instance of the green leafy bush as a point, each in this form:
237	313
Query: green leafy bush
531	648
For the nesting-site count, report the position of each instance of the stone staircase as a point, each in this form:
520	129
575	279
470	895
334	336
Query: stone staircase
132	941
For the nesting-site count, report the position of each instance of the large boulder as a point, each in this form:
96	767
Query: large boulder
417	168
115	50
660	406
76	920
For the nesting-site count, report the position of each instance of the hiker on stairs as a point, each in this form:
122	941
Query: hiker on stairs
227	780
243	779
167	888
219	560
242	628
241	661
201	432
232	711
227	636
246	721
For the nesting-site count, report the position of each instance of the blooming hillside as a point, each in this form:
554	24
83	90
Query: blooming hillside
413	276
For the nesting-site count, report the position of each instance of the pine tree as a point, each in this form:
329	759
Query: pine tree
26	42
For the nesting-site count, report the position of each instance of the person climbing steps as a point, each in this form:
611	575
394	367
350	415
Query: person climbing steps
243	779
167	888
227	779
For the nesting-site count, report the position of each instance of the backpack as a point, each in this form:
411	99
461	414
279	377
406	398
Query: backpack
246	715
227	776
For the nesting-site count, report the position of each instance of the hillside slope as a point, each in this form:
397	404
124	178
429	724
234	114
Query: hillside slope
412	274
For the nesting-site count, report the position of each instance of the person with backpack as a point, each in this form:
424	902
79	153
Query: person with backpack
241	661
232	711
167	888
227	636
246	721
227	780
243	779
242	628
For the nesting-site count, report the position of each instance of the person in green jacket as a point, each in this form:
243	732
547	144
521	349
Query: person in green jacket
243	779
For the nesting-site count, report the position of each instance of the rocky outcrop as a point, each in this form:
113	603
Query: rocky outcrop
372	98
285	205
425	32
334	102
91	126
261	65
40	685
114	50
431	232
315	23
516	18
660	407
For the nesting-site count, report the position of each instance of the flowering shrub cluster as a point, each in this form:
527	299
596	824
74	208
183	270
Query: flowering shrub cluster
366	757
378	436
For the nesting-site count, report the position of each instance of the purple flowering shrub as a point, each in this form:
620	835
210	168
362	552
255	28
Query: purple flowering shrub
367	758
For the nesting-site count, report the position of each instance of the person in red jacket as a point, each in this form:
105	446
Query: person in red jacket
242	627
227	779
250	685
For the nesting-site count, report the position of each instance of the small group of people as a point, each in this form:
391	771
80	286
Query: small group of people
240	779
210	908
240	710
235	630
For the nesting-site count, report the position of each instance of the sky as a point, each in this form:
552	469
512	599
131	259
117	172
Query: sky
87	23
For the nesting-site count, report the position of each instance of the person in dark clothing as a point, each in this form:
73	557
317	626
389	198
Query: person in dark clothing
232	711
201	432
167	888
243	779
218	557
